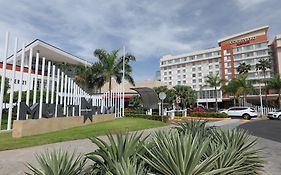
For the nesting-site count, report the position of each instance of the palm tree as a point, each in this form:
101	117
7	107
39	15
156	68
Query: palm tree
275	83
244	87
187	95
243	68
110	66
231	87
214	81
263	65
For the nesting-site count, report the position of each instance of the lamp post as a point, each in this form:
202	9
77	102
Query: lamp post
260	94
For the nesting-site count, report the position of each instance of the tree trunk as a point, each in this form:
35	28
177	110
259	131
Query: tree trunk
265	90
234	101
216	99
109	89
279	104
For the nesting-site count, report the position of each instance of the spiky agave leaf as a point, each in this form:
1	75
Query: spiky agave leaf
239	150
57	162
180	154
121	147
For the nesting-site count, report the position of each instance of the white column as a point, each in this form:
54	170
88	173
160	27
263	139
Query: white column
61	88
68	95
48	81
65	93
53	83
123	83
12	86
29	84
79	99
36	77
3	76
21	77
57	92
42	87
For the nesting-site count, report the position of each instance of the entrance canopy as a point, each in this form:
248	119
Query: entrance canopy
149	97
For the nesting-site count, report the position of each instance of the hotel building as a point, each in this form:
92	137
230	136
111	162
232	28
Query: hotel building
192	68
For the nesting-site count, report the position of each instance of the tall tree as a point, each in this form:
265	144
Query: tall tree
215	82
275	84
231	88
244	87
170	94
187	95
243	68
110	65
263	65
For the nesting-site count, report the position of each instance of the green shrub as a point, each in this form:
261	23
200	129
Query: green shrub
149	117
209	114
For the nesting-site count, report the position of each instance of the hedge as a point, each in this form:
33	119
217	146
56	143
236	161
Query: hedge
209	114
149	117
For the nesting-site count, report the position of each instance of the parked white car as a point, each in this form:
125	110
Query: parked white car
245	112
274	115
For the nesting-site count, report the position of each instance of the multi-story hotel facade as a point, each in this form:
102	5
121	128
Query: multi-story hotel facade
192	68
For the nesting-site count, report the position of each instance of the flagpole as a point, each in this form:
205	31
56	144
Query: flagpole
123	80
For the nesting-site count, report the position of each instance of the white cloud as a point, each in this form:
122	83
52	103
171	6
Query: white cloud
245	4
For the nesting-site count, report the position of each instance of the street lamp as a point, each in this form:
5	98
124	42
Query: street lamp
260	93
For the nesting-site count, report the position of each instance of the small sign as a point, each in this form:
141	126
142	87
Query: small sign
162	95
178	100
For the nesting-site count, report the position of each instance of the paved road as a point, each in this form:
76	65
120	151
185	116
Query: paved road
268	129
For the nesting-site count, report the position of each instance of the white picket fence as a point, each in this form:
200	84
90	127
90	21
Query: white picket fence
63	90
265	110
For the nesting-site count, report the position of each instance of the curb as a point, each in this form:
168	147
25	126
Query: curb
199	118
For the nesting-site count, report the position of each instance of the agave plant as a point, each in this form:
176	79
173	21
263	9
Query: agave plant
239	150
123	147
130	167
181	154
57	162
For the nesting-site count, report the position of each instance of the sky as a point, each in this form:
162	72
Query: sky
148	29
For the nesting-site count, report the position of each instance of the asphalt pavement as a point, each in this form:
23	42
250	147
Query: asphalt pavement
268	129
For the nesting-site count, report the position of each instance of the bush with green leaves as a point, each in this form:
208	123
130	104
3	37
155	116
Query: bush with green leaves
149	117
58	162
209	114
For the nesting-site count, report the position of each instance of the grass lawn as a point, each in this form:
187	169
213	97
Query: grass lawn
130	124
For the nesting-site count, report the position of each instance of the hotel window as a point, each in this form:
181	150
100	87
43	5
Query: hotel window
199	68
199	74
200	80
194	81
170	78
184	76
183	70
179	71
199	56
217	53
184	82
193	64
191	57
262	52
193	75
193	69
228	51
165	73
165	78
228	58
210	67
208	54
211	73
237	56
170	83
183	65
249	47
250	54
165	68
210	61
217	66
179	82
260	45
178	66
194	86
170	72
238	49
